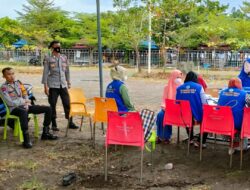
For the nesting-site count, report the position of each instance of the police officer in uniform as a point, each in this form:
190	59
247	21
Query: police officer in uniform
16	98
56	80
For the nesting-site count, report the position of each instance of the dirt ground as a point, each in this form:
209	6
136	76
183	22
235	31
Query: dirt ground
43	166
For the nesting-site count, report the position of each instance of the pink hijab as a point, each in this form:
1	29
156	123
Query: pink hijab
170	89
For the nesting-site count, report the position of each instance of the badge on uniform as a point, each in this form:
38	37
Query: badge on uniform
53	65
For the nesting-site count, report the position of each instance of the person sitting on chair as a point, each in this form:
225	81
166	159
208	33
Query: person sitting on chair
164	133
15	96
237	99
192	91
117	89
245	73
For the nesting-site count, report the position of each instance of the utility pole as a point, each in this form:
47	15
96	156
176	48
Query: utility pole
149	36
99	46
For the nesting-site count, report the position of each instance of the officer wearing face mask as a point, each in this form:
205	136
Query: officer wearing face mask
117	89
56	80
245	73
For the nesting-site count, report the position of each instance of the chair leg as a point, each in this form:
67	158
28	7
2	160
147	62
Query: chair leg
5	129
80	129
231	156
215	138
241	152
20	131
201	139
151	156
94	135
91	130
103	132
36	126
106	164
141	165
178	135
66	134
189	137
16	128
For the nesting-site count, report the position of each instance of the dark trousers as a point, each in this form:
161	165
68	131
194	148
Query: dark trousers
192	134
53	96
23	113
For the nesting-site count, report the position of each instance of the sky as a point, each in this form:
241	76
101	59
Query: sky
8	7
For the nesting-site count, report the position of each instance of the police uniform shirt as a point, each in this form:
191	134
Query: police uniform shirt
13	94
56	71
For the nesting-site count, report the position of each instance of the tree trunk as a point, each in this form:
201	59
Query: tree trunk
138	65
91	56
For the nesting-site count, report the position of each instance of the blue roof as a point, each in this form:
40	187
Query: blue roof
20	43
144	44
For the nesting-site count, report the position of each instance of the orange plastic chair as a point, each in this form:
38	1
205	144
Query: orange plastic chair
218	120
102	106
124	128
245	131
78	107
178	113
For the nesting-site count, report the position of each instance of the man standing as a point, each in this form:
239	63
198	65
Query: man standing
56	80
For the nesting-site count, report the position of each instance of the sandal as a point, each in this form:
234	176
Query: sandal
159	140
167	141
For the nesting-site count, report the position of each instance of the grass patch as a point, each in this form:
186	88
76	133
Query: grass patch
32	184
29	164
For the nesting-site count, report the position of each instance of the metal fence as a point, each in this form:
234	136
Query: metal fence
206	59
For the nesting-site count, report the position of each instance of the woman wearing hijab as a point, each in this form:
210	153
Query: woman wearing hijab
236	98
117	89
164	133
202	82
245	73
192	91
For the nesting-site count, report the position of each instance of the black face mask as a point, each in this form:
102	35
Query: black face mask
57	49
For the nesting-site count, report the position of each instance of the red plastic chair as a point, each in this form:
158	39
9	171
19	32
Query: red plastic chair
124	128
217	120
178	113
245	131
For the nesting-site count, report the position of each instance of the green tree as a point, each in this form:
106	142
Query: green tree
132	29
43	21
9	31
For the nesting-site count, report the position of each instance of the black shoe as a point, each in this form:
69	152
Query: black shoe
68	179
73	126
27	145
48	136
55	128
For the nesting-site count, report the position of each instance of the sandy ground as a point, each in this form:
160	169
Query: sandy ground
43	166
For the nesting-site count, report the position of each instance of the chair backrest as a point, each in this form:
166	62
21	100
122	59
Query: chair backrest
245	129
218	119
124	128
148	119
77	95
178	112
102	106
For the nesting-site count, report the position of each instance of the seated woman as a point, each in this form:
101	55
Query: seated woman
236	98
117	89
164	133
194	93
202	82
245	73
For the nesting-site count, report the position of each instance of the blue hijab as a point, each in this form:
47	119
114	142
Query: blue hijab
245	79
